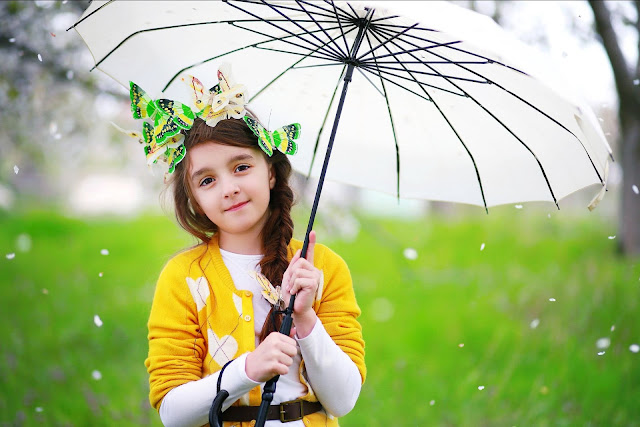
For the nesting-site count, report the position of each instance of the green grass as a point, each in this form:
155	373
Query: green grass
416	316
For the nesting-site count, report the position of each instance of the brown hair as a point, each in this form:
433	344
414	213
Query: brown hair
277	231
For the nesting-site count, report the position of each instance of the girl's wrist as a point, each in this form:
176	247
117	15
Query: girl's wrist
304	323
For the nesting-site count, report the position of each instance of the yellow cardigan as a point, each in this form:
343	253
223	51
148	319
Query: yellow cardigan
199	321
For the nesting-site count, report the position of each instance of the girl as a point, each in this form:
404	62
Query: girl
209	310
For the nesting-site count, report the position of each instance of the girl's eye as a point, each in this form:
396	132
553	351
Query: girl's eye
206	181
242	168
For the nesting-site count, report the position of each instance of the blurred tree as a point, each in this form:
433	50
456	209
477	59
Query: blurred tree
627	80
47	99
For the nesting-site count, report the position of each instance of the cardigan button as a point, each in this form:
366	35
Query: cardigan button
247	294
247	318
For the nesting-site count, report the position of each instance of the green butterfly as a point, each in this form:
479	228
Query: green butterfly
169	116
281	138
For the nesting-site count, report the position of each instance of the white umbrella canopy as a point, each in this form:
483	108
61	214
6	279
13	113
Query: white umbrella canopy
441	110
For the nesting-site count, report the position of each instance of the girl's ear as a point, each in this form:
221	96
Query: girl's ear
272	177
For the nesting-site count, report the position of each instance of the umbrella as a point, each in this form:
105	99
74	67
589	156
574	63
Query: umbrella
439	106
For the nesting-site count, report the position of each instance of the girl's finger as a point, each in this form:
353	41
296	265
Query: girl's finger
311	247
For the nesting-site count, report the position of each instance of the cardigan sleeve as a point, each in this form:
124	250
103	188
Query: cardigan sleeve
338	310
176	344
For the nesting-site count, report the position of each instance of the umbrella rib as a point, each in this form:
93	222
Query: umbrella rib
453	129
287	19
274	8
236	50
324	122
423	49
343	53
437	74
372	70
385	42
332	64
280	75
369	80
490	61
95	11
393	127
192	24
449	46
367	66
344	37
544	174
280	6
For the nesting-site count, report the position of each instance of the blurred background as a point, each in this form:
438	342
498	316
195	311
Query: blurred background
525	316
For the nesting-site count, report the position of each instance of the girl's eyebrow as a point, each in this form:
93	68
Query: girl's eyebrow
203	171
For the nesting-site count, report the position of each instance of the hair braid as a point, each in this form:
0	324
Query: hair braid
276	235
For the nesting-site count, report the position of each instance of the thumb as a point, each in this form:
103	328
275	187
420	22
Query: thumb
311	247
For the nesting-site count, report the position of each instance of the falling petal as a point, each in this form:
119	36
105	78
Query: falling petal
634	348
548	215
518	206
69	74
52	34
480	387
45	291
100	274
600	353
12	40
636	82
57	136
534	323
433	402
482	247
461	345
16	169
410	253
53	128
97	320
12	255
96	375
603	343
601	119
635	189
613	328
23	242
382	309
552	299
612	237
104	251
39	409
39	57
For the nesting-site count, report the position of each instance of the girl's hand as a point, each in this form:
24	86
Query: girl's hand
272	357
302	279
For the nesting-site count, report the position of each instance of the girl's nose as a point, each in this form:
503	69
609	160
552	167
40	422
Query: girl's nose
230	188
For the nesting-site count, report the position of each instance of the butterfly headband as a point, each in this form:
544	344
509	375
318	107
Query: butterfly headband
164	140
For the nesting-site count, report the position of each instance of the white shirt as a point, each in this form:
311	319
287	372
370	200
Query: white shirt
334	377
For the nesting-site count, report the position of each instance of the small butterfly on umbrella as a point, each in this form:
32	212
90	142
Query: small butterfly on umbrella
225	100
282	138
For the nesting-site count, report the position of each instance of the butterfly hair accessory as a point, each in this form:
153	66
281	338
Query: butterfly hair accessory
281	139
226	100
166	121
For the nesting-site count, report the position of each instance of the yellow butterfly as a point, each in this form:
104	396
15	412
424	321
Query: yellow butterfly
223	101
269	292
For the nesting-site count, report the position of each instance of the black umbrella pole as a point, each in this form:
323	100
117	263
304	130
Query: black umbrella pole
270	386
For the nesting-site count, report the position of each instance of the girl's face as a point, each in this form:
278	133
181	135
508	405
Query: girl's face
232	186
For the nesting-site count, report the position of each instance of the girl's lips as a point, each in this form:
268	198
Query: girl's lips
236	207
